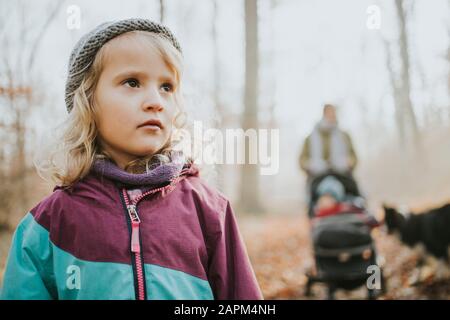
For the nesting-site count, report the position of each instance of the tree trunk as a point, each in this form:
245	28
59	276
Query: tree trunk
399	114
249	188
161	11
405	79
18	92
448	62
220	112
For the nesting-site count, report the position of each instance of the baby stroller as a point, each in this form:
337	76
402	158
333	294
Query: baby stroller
342	243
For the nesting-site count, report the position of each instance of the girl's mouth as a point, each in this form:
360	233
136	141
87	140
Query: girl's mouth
152	124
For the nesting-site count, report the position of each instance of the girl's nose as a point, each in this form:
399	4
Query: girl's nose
153	101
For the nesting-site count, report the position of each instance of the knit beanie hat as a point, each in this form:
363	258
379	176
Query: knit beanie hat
83	54
332	187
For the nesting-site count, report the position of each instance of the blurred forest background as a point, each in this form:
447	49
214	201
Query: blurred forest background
261	64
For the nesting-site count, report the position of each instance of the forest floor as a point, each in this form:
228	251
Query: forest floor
280	251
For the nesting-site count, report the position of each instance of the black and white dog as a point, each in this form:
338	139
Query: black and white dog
429	235
430	229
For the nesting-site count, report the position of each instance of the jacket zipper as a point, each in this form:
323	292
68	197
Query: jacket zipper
135	245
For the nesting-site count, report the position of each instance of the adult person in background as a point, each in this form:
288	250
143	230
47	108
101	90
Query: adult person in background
328	149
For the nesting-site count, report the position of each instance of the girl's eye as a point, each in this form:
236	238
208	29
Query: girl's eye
132	83
167	87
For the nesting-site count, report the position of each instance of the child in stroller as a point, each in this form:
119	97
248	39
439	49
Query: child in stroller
341	235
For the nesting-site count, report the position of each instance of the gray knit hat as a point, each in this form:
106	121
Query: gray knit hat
84	52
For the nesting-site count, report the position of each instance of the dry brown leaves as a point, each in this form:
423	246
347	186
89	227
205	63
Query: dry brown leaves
280	251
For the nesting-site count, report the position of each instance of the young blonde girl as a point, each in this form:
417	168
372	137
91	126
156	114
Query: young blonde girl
130	218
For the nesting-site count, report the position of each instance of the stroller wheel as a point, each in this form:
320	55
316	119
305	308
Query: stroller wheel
331	292
308	286
383	283
308	292
371	294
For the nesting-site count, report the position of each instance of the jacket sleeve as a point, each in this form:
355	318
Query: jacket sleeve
230	273
28	274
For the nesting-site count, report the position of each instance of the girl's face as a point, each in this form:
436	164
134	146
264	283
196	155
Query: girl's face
135	100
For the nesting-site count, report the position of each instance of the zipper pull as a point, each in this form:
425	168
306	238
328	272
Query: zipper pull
135	245
135	222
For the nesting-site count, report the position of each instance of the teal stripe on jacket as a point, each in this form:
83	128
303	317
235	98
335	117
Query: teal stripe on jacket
37	269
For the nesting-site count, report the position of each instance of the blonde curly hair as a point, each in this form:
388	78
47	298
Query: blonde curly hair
71	156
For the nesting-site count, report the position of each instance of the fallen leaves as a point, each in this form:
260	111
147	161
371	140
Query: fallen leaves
280	250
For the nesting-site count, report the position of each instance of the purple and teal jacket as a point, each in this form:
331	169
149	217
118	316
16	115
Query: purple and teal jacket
99	240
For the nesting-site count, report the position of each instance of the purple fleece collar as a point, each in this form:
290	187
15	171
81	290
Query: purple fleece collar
159	175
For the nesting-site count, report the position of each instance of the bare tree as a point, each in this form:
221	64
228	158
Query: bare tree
404	90
219	108
399	115
270	62
401	81
162	10
18	94
249	188
448	62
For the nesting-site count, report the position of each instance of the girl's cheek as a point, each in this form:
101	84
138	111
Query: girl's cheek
174	109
